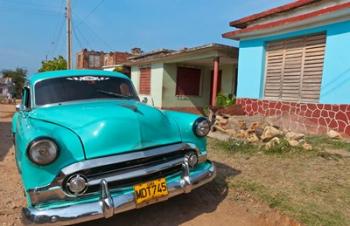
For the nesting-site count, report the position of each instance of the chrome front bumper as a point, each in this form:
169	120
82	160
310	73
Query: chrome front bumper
108	204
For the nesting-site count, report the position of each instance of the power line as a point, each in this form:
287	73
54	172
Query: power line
69	33
93	32
81	34
98	37
59	26
91	12
58	37
76	36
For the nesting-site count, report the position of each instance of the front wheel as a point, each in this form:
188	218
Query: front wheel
14	139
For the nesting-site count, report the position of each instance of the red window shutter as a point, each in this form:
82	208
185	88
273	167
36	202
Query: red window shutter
188	81
145	81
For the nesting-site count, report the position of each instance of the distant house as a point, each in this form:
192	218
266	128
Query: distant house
6	87
295	62
184	79
90	59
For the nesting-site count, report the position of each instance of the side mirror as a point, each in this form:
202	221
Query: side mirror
145	100
18	107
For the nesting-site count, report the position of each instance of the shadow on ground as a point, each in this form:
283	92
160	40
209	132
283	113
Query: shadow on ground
5	139
179	209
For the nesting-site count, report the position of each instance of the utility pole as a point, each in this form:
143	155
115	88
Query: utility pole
69	34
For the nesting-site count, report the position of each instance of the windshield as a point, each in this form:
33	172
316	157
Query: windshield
58	90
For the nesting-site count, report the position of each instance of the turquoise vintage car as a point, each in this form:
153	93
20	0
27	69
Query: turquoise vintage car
87	148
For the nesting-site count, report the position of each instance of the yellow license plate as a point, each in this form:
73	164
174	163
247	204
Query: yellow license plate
150	190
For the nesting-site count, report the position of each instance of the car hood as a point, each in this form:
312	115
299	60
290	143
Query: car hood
113	126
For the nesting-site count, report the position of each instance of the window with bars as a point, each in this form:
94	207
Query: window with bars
294	68
145	81
94	61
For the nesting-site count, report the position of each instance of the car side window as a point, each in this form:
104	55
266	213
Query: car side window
26	98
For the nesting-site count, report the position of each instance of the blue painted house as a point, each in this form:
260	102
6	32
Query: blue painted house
294	62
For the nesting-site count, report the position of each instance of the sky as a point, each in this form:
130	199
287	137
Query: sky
33	30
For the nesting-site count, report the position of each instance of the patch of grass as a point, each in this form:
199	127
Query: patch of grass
236	146
283	147
323	142
329	156
273	201
311	187
308	213
319	144
311	214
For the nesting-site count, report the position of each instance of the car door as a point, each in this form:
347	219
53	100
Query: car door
22	124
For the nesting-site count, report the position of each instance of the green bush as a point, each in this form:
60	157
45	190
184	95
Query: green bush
225	101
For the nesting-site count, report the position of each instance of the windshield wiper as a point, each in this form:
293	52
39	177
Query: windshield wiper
113	94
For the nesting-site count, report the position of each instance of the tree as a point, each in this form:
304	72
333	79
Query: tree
119	69
18	77
57	63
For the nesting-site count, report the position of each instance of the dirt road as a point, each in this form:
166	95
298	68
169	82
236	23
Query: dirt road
212	204
11	192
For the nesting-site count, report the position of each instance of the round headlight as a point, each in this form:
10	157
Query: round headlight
201	127
43	151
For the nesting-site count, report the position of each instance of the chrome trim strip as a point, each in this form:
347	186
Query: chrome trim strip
138	172
54	190
153	152
110	205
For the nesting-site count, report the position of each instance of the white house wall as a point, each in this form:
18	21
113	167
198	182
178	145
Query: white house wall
228	79
156	82
135	77
170	100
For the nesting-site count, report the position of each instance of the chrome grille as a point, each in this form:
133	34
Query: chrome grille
120	170
132	172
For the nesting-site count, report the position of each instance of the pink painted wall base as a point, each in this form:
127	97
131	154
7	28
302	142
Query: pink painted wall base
304	117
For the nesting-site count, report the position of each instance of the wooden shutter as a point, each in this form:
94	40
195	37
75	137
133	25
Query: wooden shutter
145	81
313	68
274	69
188	81
293	63
294	68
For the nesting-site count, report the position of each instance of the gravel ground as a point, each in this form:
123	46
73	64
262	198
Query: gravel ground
212	204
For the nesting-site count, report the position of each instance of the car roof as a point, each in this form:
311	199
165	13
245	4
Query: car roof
66	73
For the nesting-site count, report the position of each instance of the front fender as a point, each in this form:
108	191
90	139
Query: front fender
70	150
185	123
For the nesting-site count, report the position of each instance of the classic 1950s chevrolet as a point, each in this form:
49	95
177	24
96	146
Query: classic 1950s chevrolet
87	148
